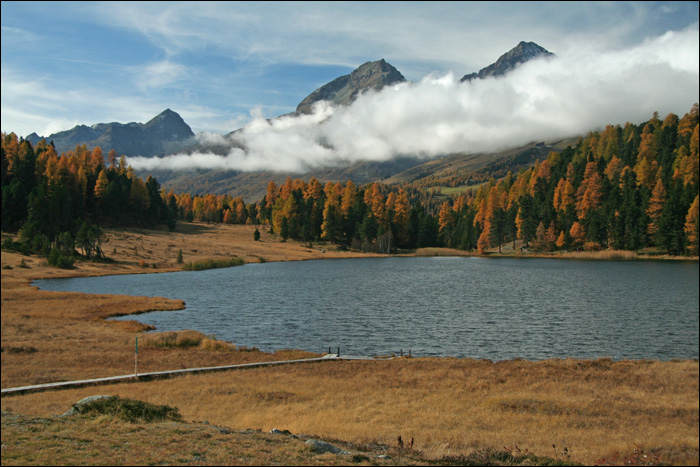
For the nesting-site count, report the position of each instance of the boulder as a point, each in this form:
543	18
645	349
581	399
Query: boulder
321	447
85	401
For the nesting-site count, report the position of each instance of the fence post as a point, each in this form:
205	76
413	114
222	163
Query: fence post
339	351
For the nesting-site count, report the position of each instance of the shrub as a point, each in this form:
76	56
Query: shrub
56	258
129	410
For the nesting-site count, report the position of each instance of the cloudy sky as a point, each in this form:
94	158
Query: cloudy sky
221	65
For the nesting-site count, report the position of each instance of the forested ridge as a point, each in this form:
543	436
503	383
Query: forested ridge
630	187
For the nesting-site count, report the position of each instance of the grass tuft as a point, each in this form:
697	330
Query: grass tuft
129	410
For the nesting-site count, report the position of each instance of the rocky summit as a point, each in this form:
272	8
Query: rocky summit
521	53
344	90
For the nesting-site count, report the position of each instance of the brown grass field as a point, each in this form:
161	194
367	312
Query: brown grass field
589	412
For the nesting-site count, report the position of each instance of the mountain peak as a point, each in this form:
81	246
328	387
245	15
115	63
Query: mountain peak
343	90
521	53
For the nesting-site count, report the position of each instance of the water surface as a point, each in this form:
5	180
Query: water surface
465	307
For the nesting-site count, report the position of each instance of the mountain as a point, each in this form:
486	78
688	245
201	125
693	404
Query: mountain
456	168
164	134
521	53
340	91
344	90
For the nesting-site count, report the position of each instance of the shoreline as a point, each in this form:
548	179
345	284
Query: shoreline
596	408
104	269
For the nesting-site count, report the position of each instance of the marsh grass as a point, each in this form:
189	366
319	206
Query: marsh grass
211	263
185	339
430	252
603	254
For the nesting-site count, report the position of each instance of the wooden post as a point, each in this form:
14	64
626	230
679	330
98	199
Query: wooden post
136	358
339	351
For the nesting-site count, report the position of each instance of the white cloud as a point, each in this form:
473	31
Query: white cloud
579	90
159	75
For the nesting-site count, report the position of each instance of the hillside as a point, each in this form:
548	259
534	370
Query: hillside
252	185
465	168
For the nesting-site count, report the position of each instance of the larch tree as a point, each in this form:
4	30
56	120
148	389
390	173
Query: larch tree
655	208
692	222
577	234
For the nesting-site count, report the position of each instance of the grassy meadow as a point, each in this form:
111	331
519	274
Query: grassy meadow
589	412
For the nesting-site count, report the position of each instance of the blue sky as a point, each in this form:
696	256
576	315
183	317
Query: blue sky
218	63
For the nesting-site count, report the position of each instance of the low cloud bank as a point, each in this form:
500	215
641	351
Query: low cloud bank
570	94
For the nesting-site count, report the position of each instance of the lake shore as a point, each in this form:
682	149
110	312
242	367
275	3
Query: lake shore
595	409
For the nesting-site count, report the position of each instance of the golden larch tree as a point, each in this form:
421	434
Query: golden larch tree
656	206
691	227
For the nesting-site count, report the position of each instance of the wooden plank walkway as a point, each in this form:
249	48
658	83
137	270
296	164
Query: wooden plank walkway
163	374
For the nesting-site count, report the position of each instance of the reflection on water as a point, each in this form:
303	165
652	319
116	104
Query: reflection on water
466	307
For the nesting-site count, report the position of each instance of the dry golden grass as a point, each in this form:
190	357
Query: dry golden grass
595	409
84	440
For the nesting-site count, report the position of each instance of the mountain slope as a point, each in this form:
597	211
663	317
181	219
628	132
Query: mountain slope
164	134
252	185
521	53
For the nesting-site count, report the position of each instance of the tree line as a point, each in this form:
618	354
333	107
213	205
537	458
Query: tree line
625	188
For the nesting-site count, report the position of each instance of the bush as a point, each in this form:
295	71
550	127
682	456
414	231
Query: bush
57	259
19	247
129	410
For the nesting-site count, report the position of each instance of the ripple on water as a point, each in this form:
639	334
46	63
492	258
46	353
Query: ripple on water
466	307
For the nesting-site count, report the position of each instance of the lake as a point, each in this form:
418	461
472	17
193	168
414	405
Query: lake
492	308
